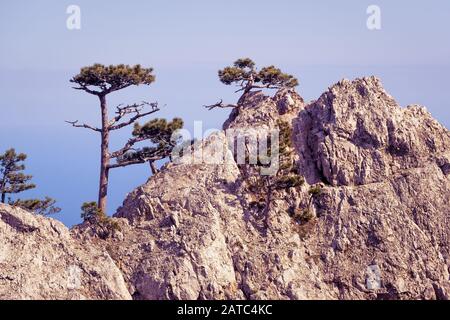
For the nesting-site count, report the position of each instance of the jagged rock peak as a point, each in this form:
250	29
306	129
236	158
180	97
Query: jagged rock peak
39	259
358	134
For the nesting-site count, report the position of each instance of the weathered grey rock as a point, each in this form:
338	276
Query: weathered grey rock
187	256
357	134
379	228
39	259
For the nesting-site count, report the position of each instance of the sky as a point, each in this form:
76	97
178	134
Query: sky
186	42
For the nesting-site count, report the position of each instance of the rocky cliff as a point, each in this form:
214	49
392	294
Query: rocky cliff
39	259
377	223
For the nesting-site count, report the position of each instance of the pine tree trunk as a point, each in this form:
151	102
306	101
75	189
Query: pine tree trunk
3	185
105	157
152	166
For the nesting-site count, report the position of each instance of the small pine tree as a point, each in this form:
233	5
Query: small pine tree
244	74
315	190
103	225
90	212
264	186
287	176
12	179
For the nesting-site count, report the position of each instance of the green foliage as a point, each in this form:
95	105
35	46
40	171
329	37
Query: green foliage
110	225
43	207
244	63
283	150
315	190
160	133
287	176
12	180
263	187
304	218
285	137
289	181
92	214
113	77
273	76
230	75
244	73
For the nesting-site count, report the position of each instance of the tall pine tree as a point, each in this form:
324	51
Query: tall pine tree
100	81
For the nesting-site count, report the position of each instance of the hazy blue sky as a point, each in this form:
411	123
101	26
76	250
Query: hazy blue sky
187	42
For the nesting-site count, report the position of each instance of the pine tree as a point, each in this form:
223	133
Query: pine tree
103	225
244	74
263	187
90	212
100	80
12	179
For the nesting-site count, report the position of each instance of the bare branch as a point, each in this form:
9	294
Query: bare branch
85	88
136	109
248	88
123	111
134	161
220	105
76	125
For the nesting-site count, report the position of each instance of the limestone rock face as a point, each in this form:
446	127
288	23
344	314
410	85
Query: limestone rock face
196	240
378	228
174	233
39	259
386	195
357	134
381	221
